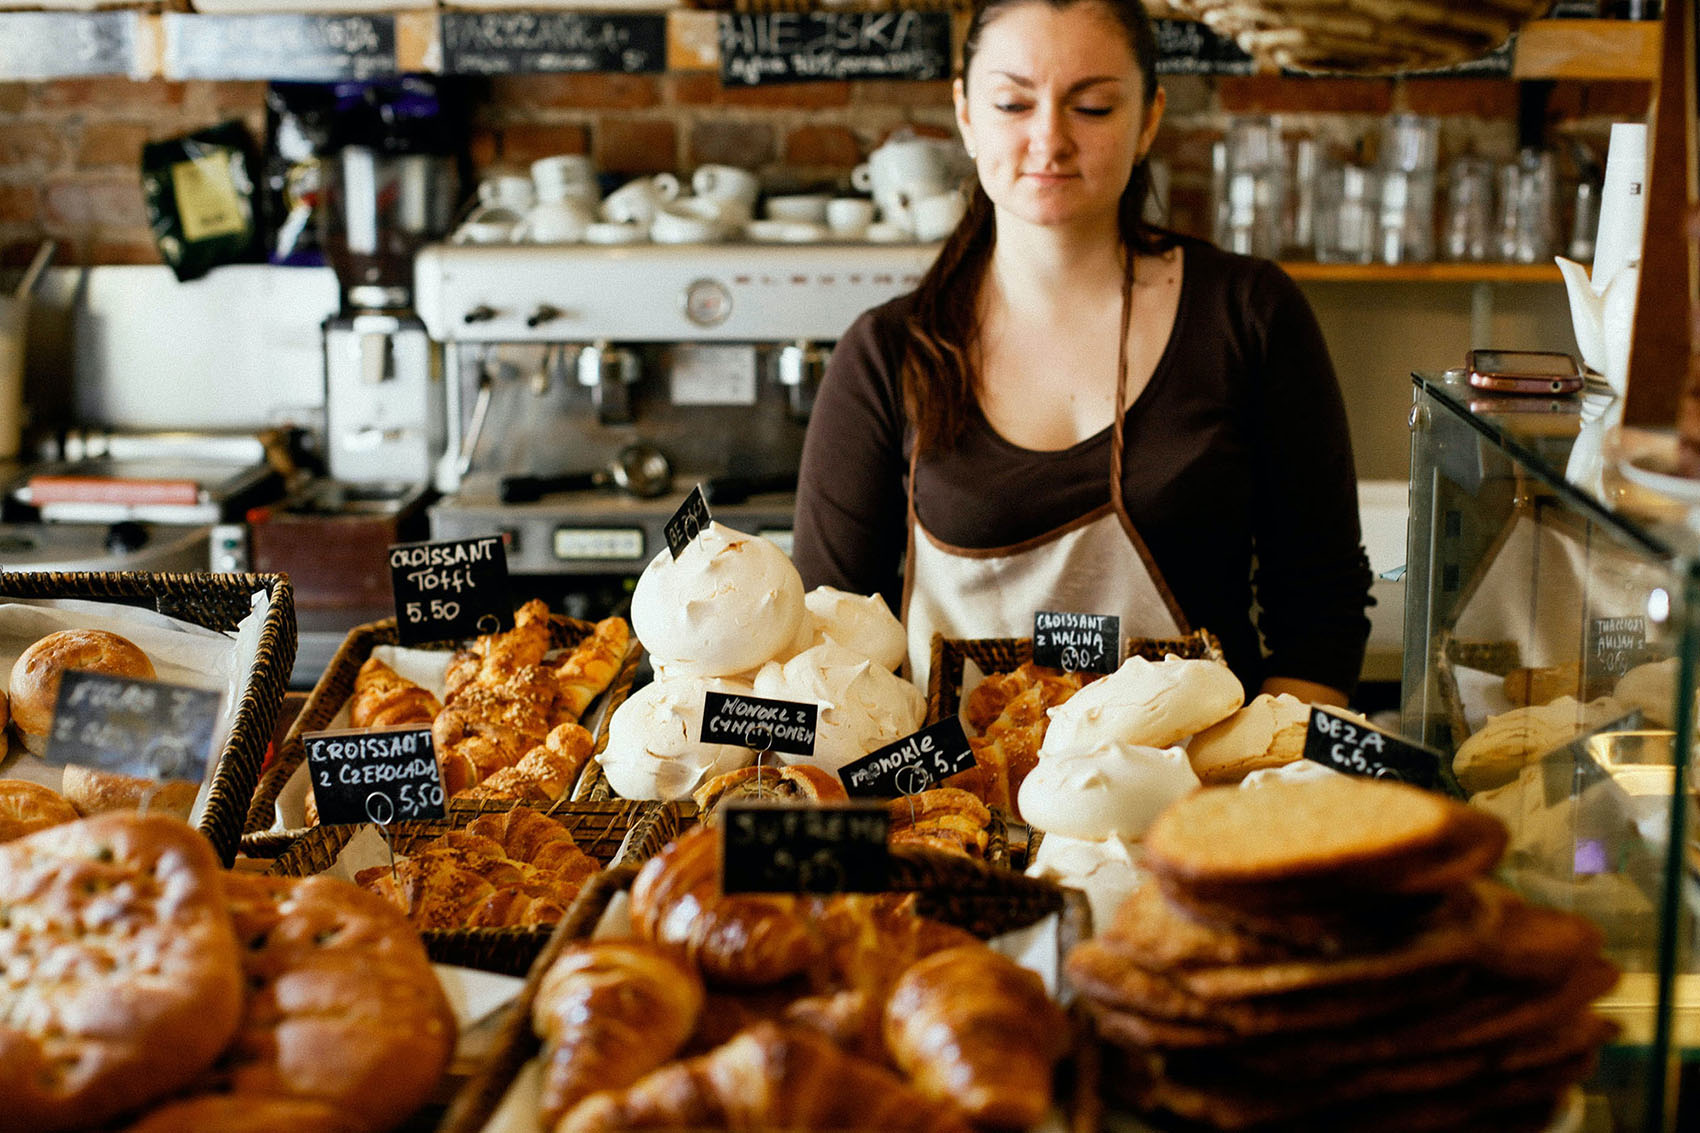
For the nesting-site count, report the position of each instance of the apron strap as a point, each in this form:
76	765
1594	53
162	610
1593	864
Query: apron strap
1117	424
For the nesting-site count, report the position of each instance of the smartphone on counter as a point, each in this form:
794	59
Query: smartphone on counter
1524	371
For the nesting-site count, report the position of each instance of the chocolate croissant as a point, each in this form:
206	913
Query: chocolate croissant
384	698
768	1077
971	1025
609	1012
740	939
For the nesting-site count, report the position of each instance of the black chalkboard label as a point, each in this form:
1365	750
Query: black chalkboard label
1187	47
145	728
451	589
759	723
1615	645
1358	748
776	848
51	45
910	765
801	47
691	520
381	775
532	41
1077	643
300	46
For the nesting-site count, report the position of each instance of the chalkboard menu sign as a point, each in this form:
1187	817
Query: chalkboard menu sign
802	47
768	848
1187	47
51	45
145	728
1358	748
910	765
452	589
759	723
1077	643
305	47
383	775
521	42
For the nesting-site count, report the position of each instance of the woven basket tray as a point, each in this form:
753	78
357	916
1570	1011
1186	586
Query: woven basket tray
218	602
984	901
336	685
1364	36
614	833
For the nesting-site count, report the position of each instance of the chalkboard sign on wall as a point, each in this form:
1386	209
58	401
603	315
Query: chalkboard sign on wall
527	42
1187	47
802	47
299	46
51	45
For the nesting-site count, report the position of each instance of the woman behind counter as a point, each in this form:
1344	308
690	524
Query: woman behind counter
1077	411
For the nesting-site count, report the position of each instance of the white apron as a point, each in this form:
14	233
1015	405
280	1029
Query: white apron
1096	564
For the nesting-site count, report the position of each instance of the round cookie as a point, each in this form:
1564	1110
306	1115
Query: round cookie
26	807
122	982
34	686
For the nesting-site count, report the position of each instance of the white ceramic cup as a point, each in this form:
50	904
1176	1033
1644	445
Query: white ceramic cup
507	191
566	175
637	201
849	216
935	217
922	166
555	222
810	208
487	224
726	183
677	223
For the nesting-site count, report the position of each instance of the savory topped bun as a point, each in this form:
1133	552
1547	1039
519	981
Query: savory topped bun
35	675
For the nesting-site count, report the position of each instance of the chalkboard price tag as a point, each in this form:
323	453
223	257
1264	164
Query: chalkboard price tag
451	589
759	723
1077	643
1615	645
145	728
533	41
51	45
775	848
302	46
691	520
382	775
830	46
910	765
1358	748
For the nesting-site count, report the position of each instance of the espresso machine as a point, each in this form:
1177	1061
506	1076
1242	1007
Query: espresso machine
589	388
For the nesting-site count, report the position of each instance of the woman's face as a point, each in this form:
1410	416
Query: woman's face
1053	110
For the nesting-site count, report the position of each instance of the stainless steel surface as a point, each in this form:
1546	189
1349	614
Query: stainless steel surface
96	546
383	399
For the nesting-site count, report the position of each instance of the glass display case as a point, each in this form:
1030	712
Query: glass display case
1552	652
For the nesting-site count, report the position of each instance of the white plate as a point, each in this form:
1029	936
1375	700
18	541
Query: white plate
785	231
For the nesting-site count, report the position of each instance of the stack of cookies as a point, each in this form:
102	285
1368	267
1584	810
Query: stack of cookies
1331	955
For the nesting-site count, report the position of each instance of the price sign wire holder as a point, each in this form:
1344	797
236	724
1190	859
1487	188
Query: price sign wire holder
381	811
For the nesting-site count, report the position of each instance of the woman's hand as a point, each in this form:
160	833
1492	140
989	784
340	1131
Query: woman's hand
1308	691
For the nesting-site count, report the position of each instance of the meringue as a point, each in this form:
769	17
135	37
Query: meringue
1106	870
861	623
1115	791
863	706
1144	703
654	748
1299	771
1267	732
728	604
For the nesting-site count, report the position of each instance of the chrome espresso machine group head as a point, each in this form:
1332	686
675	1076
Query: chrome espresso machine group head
590	387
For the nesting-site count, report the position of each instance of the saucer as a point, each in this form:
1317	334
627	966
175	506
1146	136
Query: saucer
611	232
884	232
785	231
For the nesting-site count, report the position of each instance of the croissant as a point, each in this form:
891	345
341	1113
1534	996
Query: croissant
435	890
971	1025
1008	748
383	698
591	666
804	782
535	839
768	1077
944	818
740	939
523	904
544	773
608	1013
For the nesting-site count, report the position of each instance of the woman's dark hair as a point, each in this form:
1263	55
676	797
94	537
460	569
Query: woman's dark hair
938	383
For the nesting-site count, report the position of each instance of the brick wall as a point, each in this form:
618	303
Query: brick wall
70	150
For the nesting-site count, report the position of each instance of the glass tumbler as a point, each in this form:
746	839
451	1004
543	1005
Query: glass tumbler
1468	226
1346	214
1526	216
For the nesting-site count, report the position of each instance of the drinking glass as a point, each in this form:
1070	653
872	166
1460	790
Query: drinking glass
1525	224
1469	209
1347	202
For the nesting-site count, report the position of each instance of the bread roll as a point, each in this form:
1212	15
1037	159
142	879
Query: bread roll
26	807
35	675
93	791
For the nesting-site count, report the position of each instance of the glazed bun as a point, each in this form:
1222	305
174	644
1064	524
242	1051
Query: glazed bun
93	791
26	807
35	675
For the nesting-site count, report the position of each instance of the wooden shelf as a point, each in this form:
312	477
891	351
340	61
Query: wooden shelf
1588	49
1311	272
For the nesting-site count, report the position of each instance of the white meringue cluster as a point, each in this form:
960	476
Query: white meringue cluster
730	615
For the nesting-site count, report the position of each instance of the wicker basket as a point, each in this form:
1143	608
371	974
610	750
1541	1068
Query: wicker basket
616	833
218	602
1364	36
336	685
984	901
1002	654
